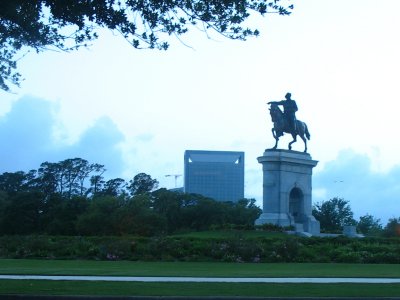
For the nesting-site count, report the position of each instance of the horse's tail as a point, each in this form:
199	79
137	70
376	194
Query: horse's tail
306	131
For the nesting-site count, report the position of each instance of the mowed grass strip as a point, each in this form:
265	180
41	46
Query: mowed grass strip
43	287
195	269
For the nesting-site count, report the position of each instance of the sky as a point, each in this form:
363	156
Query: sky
139	110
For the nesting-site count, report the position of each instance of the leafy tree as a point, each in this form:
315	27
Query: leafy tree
96	181
142	183
96	185
333	214
66	177
4	203
99	219
73	174
245	212
20	181
168	204
49	178
138	217
60	215
200	212
392	228
114	187
23	214
84	169
68	25
55	200
368	225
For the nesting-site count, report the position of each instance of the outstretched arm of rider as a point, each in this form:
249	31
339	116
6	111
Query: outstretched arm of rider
276	102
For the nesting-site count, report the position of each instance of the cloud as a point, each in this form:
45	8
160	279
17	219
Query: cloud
145	137
351	176
25	133
101	143
27	136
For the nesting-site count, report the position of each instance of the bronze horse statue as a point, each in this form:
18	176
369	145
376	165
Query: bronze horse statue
281	126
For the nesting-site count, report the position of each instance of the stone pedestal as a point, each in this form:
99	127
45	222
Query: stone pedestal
287	189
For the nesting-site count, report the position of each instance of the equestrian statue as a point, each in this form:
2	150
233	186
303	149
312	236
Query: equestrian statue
286	122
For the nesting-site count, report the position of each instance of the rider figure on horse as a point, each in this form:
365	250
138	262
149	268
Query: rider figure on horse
289	110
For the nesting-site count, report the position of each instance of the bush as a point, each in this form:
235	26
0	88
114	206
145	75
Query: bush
235	248
273	228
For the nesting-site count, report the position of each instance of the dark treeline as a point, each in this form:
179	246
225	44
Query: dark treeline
71	197
335	213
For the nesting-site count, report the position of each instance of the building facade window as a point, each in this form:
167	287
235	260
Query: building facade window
214	174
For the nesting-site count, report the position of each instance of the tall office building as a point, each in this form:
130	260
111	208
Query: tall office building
215	174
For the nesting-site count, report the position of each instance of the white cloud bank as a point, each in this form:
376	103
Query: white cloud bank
30	134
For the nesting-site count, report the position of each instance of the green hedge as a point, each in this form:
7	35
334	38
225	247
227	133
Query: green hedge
232	249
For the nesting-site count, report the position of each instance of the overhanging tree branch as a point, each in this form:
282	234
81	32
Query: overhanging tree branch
70	25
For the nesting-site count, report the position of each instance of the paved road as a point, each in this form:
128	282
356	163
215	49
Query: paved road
204	279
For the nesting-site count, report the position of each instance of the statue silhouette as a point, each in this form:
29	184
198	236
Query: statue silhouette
286	122
289	111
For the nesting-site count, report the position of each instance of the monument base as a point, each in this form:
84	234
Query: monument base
308	224
311	225
287	190
280	219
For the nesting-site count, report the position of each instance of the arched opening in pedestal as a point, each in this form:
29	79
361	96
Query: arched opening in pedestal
296	204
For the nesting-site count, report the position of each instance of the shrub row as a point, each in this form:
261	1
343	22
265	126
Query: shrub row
234	249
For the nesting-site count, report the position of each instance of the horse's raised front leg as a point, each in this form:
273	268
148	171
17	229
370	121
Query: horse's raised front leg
294	141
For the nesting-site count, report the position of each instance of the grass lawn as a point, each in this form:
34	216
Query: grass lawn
128	268
199	269
42	287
